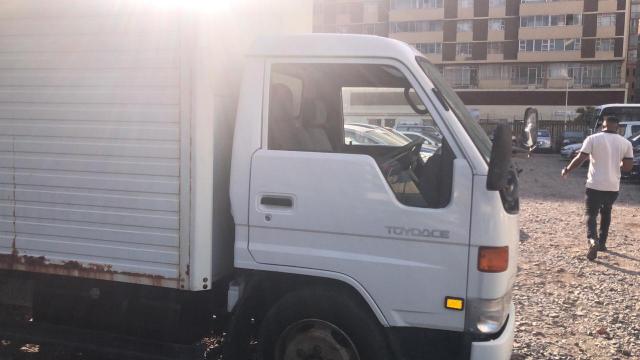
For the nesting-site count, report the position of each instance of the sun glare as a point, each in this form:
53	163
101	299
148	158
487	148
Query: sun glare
199	5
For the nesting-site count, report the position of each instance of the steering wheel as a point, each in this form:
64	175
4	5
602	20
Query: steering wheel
411	149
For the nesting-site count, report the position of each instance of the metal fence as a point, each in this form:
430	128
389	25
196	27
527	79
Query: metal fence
555	127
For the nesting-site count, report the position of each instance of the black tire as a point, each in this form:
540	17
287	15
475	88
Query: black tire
335	307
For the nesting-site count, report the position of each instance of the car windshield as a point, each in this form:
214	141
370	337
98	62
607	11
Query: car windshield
543	133
473	129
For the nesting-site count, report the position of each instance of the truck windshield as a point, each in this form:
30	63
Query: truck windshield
475	131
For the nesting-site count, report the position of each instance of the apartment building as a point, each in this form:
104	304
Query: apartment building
353	17
505	55
633	75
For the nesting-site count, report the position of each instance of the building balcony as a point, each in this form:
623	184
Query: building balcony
418	37
553	8
551	32
606	31
546	56
465	13
607	6
497	12
495	35
416	14
537	84
604	55
466	36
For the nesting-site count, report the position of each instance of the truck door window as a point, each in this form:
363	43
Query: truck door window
338	102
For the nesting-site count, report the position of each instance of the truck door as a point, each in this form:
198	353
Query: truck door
332	192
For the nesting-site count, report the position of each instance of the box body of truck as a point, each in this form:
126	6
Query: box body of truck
116	121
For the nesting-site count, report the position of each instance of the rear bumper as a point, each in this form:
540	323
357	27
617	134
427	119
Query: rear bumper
499	348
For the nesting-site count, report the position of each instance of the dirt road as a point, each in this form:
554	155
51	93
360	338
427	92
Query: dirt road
567	306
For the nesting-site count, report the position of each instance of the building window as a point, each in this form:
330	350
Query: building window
495	48
464	26
528	74
570	45
369	29
496	3
550	45
465	4
541	20
461	76
606	20
595	75
416	4
494	72
463	49
429	48
605	44
573	19
550	20
496	25
416	26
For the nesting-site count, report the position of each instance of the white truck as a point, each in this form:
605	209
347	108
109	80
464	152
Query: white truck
157	170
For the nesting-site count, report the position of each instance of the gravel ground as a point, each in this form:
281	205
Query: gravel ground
567	306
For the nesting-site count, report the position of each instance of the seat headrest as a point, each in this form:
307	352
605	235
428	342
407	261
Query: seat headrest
281	101
315	113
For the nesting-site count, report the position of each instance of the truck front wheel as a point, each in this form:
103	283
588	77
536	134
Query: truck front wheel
319	324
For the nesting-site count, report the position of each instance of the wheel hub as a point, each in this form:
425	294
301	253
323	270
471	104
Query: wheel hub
315	340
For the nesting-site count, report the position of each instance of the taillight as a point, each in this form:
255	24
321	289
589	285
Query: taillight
493	259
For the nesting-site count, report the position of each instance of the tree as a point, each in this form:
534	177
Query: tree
585	115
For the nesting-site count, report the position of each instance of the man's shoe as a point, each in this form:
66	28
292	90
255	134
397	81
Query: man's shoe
602	247
593	249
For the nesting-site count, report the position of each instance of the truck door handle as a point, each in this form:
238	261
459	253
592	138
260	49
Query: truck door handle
277	201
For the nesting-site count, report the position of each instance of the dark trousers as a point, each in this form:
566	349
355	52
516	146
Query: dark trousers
599	202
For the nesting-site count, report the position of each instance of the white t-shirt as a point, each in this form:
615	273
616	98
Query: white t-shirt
606	150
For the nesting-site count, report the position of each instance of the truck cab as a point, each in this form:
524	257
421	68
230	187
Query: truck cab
413	240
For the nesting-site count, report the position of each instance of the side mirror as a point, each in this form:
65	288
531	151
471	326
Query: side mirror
530	135
500	164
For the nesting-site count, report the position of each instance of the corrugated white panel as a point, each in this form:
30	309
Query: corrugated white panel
88	60
90	135
90	112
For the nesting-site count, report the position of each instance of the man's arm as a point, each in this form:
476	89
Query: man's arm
575	163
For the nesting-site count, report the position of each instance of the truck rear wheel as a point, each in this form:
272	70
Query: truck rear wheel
318	324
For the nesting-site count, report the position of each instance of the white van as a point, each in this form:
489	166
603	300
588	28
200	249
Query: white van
628	114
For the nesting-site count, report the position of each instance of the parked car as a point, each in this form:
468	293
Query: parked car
367	134
635	171
422	129
544	140
635	142
628	114
634	174
567	152
572	137
575	153
430	140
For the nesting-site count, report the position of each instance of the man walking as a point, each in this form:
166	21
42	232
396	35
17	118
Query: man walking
607	151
